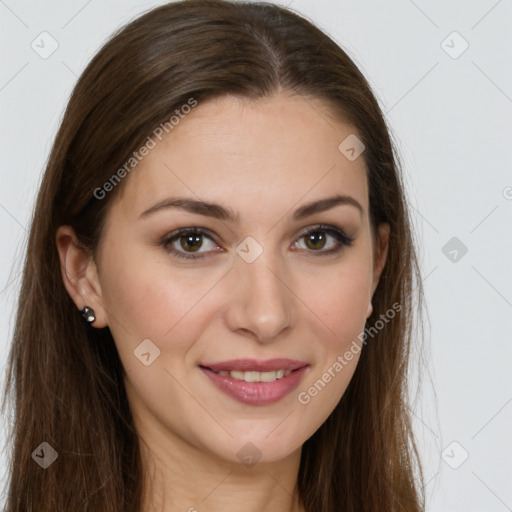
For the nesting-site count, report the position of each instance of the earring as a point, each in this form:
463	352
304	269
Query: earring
88	314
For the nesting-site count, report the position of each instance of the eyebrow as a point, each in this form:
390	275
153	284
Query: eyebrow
227	214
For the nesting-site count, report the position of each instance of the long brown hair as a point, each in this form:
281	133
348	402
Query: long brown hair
65	379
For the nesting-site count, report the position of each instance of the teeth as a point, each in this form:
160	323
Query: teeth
256	376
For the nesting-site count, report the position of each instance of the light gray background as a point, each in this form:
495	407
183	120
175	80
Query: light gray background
451	117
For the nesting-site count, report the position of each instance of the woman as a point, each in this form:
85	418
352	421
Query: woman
217	301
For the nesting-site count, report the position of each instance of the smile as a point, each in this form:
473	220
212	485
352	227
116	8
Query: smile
256	376
255	382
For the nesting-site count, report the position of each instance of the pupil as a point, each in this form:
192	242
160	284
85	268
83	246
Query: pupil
315	238
193	242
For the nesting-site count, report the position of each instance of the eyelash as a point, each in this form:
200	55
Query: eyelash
338	234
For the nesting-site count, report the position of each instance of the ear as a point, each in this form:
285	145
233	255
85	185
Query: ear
79	274
379	259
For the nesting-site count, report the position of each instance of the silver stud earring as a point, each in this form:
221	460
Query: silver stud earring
88	314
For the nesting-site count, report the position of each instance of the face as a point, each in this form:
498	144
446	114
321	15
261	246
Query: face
263	284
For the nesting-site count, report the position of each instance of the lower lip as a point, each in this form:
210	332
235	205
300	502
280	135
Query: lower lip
256	393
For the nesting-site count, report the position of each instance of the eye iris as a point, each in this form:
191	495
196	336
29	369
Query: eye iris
193	242
315	238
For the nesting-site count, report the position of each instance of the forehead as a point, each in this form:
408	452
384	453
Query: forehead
259	157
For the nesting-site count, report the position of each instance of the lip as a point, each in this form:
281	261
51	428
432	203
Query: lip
255	365
256	393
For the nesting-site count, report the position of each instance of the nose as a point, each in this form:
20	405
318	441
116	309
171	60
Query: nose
261	303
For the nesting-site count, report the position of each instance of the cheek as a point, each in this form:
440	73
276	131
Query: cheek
145	301
341	298
145	298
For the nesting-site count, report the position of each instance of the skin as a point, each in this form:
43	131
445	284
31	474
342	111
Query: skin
263	160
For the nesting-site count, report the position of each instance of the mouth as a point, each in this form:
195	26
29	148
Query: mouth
256	382
254	376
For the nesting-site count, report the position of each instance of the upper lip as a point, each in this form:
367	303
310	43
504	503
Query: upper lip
255	365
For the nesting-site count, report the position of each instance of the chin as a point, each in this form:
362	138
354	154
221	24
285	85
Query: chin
253	450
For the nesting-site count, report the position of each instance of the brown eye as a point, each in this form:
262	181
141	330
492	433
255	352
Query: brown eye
315	240
184	242
191	242
324	240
